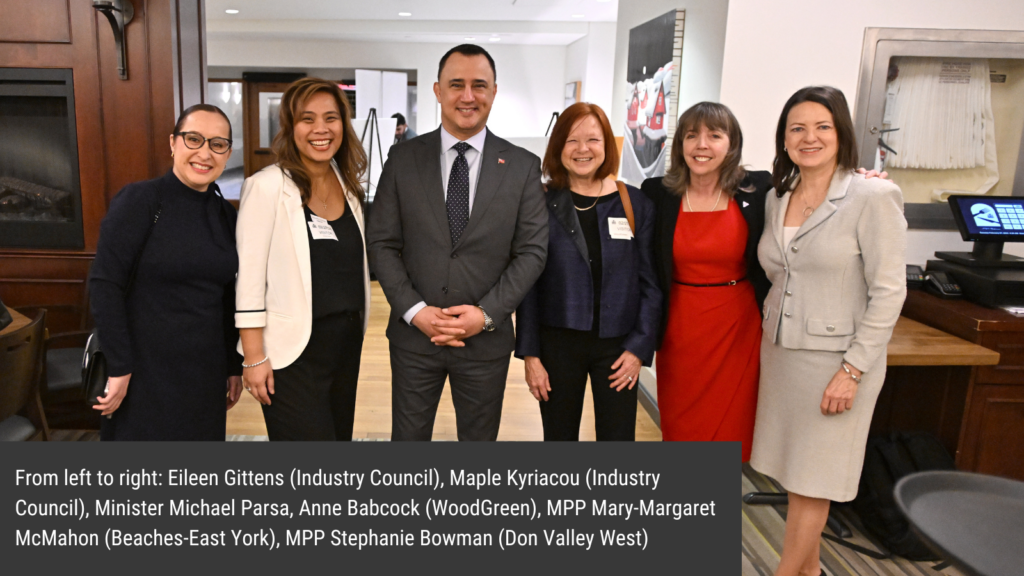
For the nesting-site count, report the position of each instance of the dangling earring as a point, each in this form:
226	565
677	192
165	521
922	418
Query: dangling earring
172	153
784	149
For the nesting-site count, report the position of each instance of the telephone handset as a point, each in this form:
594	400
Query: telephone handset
940	284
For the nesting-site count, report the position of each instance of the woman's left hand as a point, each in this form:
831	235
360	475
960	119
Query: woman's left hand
234	390
627	371
869	174
839	394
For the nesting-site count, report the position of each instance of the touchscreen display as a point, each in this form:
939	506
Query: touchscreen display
988	216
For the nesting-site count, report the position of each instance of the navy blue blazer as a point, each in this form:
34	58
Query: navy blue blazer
751	199
563	296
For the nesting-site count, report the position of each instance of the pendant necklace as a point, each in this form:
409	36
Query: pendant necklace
324	202
808	209
325	198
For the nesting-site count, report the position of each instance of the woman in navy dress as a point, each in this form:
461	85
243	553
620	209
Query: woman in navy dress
169	338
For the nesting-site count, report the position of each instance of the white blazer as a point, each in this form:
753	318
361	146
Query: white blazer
274	290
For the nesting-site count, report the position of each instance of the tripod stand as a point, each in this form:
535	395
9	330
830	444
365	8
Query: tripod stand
374	128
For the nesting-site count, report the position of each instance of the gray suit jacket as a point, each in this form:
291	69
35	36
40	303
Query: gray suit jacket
839	285
498	258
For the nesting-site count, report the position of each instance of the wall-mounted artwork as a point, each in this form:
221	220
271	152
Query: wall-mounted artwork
655	55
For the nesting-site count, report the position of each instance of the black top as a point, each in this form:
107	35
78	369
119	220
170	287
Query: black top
750	197
592	234
336	267
175	331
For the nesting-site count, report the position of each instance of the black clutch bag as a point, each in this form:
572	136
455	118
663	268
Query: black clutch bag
94	370
94	363
5	317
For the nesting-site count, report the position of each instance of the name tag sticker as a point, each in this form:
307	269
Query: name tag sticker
619	229
321	230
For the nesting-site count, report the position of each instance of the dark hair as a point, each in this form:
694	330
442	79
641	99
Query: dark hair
558	176
713	116
200	108
784	171
467	50
351	158
401	119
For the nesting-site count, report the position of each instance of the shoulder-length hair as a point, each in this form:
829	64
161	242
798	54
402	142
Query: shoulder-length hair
350	158
554	171
784	171
713	116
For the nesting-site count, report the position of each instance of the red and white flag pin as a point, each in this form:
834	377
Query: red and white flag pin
501	160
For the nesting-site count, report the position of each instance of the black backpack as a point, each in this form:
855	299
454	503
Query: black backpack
886	460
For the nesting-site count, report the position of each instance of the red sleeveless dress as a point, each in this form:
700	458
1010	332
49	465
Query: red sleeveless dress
709	362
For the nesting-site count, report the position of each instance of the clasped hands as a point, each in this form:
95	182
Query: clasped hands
449	326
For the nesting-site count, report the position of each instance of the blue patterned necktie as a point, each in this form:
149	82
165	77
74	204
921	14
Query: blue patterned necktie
457	200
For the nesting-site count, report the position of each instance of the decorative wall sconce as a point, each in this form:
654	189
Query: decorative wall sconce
119	13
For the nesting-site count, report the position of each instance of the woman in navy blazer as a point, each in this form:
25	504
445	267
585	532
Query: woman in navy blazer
596	308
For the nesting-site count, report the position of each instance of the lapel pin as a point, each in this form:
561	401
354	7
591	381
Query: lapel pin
501	160
745	204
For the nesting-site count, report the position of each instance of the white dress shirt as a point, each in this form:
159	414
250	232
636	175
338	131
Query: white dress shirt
447	159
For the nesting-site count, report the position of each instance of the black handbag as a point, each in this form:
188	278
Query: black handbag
94	363
5	316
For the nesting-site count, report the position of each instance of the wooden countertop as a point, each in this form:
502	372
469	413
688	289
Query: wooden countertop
914	344
959	316
20	321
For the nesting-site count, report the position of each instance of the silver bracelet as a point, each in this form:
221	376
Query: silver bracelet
846	368
268	358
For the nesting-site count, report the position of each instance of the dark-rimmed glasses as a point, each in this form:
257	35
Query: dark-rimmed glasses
195	141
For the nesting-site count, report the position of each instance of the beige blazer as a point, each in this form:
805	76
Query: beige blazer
274	287
840	284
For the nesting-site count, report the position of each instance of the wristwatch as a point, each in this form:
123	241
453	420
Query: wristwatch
488	323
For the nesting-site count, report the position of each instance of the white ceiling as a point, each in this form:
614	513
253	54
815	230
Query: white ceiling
523	10
547	22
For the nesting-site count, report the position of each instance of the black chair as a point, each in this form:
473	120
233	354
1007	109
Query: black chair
63	400
21	360
976	521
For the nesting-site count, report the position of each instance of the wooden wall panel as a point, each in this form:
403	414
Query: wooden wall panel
996	434
127	131
35	21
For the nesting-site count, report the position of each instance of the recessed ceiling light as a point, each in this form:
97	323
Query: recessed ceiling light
231	11
577	15
405	13
494	39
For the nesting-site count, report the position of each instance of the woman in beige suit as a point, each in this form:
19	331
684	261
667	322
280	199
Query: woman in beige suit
834	249
303	294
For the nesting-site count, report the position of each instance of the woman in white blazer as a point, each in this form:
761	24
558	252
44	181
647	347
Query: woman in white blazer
834	249
303	290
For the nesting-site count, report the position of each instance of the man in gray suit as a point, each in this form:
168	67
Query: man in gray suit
457	235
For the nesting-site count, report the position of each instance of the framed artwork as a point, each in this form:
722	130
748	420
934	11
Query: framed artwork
655	56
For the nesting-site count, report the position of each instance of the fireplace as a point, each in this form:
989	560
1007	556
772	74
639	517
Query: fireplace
40	196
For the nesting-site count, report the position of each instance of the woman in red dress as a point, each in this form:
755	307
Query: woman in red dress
709	218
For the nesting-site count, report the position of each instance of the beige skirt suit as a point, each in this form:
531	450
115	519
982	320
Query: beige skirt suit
837	289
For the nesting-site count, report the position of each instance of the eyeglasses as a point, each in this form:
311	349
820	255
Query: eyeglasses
195	141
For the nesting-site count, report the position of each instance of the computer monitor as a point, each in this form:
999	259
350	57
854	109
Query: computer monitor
989	221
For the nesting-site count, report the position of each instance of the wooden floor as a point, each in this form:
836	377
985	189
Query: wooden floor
520	417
